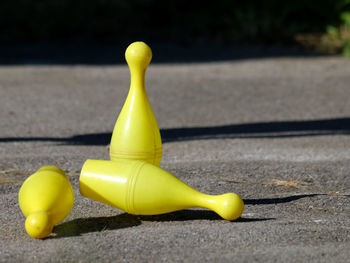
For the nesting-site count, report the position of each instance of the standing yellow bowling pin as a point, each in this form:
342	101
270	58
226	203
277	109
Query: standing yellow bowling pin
136	134
45	198
140	188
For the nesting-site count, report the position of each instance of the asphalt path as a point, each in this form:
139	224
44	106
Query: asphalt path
276	131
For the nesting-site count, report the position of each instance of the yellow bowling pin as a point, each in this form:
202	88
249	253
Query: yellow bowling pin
45	198
140	188
136	134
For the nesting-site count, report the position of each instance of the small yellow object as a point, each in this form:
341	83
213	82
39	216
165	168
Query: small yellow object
140	188
136	134
45	198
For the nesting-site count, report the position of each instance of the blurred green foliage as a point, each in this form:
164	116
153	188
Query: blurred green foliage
221	21
336	38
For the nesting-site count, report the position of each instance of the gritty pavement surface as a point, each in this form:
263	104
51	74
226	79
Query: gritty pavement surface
274	130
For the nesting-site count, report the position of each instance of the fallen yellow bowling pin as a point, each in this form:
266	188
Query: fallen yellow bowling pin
136	134
140	188
45	198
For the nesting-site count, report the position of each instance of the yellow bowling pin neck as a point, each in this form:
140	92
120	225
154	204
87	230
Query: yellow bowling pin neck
138	56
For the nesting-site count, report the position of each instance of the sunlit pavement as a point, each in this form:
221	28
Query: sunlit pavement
274	130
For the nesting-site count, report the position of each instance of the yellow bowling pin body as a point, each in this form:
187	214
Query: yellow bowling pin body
45	198
140	188
136	134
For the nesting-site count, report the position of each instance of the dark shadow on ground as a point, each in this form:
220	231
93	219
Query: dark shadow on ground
250	219
71	53
270	201
80	226
198	214
189	214
279	129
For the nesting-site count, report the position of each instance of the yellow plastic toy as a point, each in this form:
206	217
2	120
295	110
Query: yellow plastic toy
136	134
140	188
45	198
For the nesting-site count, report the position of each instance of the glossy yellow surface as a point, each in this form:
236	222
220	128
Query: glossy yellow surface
45	198
136	134
140	188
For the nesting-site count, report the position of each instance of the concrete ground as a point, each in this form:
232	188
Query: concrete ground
274	130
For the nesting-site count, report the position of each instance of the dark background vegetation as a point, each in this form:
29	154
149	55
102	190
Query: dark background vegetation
174	20
181	22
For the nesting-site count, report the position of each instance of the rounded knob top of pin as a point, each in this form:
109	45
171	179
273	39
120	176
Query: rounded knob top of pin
138	54
38	225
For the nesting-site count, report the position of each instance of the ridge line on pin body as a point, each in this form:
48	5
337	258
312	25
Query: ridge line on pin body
131	186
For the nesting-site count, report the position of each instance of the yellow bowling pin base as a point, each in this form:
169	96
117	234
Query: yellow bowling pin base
140	188
45	198
136	134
